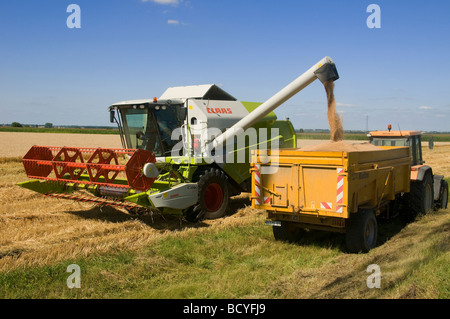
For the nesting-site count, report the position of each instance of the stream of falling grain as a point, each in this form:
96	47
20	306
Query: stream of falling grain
336	129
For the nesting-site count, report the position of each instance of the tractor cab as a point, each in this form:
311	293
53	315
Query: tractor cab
389	138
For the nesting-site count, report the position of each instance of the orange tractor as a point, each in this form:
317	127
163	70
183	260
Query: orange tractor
427	191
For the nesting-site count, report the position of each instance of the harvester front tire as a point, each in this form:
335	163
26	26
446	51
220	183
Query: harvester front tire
362	232
213	196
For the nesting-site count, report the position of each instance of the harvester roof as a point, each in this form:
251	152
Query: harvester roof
203	92
178	95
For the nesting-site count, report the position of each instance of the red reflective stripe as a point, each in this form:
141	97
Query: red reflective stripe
325	205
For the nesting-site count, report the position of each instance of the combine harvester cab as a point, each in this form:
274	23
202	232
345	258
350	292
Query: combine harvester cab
185	153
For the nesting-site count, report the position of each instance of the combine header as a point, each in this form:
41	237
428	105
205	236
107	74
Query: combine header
184	153
97	170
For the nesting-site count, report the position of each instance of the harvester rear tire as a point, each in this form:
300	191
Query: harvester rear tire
362	232
213	196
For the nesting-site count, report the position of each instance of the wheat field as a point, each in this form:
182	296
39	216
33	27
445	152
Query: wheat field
37	231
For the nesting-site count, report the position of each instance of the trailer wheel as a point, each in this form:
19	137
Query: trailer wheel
287	232
213	196
443	195
362	232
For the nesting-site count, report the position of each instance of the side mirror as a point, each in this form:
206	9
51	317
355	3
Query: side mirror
111	116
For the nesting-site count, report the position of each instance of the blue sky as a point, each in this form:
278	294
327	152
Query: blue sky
132	49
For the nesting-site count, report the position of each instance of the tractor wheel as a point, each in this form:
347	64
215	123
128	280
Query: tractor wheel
443	195
362	232
213	196
287	232
420	198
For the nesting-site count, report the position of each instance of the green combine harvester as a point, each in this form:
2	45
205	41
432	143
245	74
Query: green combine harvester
184	153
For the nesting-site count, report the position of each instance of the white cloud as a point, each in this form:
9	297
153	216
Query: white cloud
173	22
424	107
172	2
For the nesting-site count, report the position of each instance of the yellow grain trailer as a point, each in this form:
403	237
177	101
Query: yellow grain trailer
341	191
